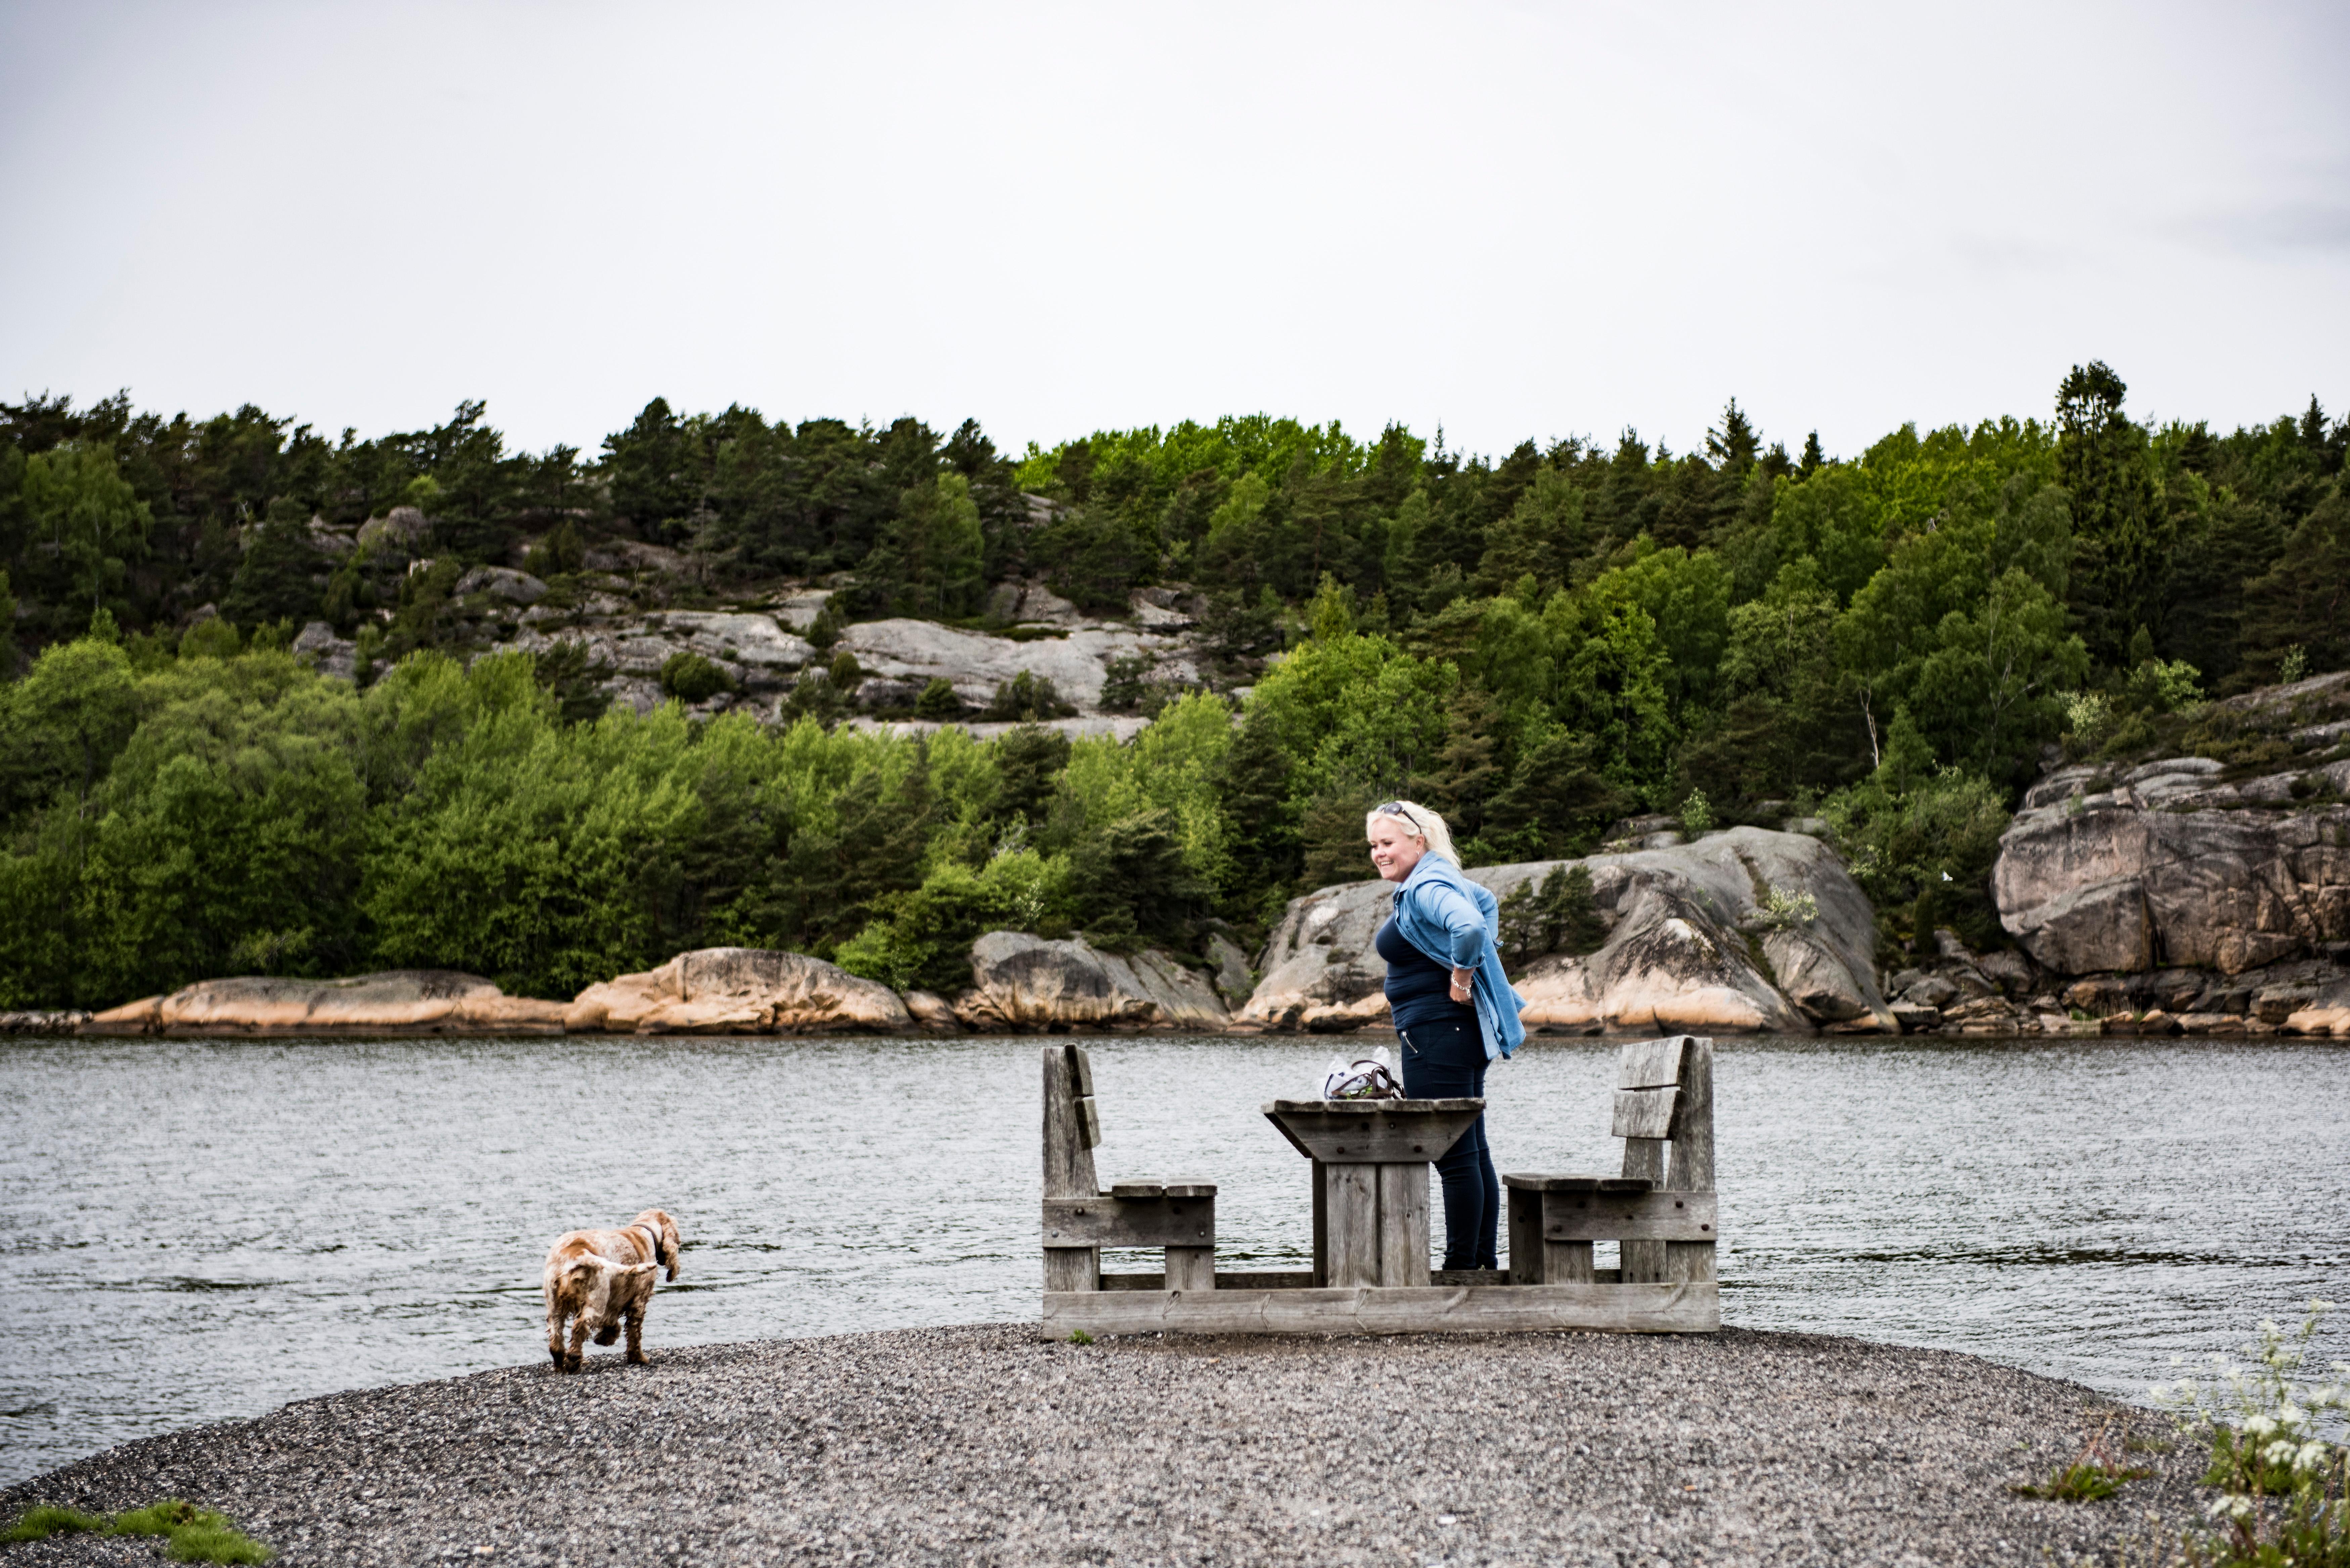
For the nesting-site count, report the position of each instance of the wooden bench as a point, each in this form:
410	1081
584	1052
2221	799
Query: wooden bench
1080	1220
1661	1210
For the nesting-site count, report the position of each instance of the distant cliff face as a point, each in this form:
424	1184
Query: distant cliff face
2198	862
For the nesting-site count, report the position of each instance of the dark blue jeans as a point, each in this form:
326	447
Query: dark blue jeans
1447	1061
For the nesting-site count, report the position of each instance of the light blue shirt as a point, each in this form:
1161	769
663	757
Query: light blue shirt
1456	922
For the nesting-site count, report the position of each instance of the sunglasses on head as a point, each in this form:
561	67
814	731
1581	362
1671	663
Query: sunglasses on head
1395	808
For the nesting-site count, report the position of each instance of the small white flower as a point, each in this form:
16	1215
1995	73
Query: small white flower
2290	1415
2280	1452
2260	1427
2309	1456
2229	1508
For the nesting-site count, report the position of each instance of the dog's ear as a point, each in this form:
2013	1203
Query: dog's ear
670	1242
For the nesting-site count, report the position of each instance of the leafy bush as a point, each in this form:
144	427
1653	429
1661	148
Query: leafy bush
1027	697
690	678
939	702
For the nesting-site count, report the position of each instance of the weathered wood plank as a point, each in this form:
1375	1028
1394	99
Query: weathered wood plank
1190	1268
1130	1222
1081	1066
1089	1118
1403	1224
1321	1223
1566	1262
1388	1132
1644	1112
1525	1233
1644	1262
1352	1218
1173	1187
1628	1217
1068	1171
1694	1308
1235	1279
1650	1063
1692	1160
1529	1181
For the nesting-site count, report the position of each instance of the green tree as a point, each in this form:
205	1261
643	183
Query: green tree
277	579
78	508
2121	538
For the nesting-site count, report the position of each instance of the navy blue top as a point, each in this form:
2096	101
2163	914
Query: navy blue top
1419	990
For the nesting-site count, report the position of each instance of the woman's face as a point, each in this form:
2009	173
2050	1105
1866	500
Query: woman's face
1394	851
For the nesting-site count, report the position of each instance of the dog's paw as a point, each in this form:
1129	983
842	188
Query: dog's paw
638	1358
557	1354
571	1364
609	1335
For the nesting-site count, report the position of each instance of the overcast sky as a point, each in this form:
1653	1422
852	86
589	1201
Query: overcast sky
1512	220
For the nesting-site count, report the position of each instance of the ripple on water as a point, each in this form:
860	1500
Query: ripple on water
204	1229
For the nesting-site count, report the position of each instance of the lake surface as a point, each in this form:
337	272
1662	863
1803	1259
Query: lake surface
198	1231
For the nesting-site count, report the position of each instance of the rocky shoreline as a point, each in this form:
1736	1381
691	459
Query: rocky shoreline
988	1445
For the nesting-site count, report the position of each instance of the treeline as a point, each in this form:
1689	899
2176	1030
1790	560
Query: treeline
1537	644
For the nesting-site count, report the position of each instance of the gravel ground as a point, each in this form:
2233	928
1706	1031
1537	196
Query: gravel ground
985	1445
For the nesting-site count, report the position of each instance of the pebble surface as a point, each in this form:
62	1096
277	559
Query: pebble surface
988	1445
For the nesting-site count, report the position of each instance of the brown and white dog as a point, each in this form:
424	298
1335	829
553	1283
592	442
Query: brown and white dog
603	1281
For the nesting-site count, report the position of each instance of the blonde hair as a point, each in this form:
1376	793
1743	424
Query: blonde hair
1416	820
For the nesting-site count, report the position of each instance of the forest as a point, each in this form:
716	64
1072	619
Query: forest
1539	644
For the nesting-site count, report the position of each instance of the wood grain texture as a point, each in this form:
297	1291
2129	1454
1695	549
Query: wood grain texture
1693	1308
1644	1262
1352	1222
1130	1222
1529	1181
1089	1119
1068	1171
1082	1066
1403	1224
1567	1263
1650	1063
1644	1112
1351	1135
1628	1217
1525	1233
1190	1268
1691	1171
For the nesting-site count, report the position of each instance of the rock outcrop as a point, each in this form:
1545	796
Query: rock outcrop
738	991
2168	864
913	653
397	1002
1023	981
1692	942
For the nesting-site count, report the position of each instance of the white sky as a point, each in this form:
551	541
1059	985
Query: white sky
1510	219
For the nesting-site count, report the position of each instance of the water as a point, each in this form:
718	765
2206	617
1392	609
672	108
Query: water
197	1231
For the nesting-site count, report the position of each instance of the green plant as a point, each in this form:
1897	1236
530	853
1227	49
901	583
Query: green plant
1781	910
2284	1488
939	702
2294	666
1697	815
1027	697
691	678
1079	1337
45	1520
2093	1476
192	1534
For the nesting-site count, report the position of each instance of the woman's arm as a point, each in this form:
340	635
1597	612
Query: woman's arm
1464	922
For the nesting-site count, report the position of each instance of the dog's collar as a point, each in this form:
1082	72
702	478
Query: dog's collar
655	1234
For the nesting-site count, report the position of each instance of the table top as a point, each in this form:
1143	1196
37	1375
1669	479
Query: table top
1372	1131
1383	1107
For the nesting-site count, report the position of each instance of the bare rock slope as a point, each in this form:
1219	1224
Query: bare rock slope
1694	941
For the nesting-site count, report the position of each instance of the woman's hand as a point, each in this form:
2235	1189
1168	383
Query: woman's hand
1460	981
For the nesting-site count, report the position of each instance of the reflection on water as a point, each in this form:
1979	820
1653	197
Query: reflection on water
196	1230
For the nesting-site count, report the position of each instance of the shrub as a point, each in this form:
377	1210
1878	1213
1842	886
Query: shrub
939	702
1697	815
1027	697
691	678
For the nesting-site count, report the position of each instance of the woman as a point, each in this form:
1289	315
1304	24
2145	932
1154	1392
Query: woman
1453	1009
